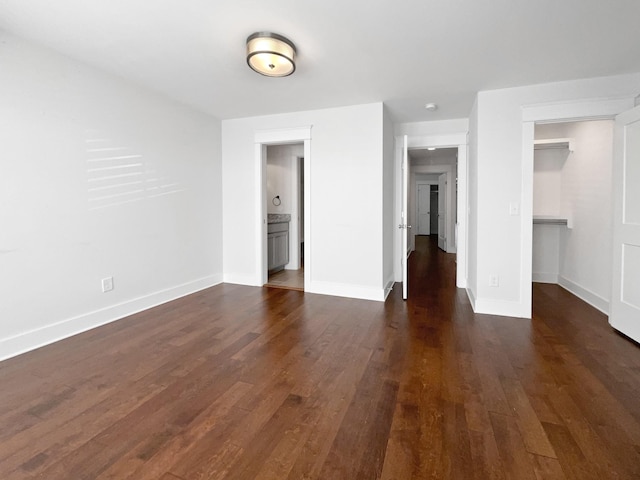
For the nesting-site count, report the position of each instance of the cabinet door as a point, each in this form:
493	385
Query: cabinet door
281	248
271	251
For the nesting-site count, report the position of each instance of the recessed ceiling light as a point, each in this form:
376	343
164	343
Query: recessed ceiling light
431	148
271	54
432	107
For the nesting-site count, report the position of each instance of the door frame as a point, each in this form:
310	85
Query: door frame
417	184
444	234
556	112
452	140
450	226
284	136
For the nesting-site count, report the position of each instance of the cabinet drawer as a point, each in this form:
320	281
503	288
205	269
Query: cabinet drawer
278	227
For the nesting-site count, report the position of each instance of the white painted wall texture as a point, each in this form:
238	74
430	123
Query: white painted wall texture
347	194
98	178
497	171
388	202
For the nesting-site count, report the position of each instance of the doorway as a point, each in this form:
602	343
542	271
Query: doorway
572	203
427	202
432	204
284	185
576	111
455	141
300	209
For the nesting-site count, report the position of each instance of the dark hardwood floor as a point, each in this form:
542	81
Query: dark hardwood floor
246	383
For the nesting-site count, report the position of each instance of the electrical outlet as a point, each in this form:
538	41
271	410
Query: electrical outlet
494	281
107	284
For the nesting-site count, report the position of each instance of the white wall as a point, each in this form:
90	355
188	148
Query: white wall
547	199
499	162
346	192
547	179
546	253
585	196
472	212
388	202
66	225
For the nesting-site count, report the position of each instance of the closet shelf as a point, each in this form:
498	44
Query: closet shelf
550	220
553	144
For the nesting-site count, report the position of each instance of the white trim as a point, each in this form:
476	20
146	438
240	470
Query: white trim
455	140
585	294
307	212
241	279
294	224
280	136
461	239
438	141
585	109
526	218
501	307
472	298
389	286
567	111
261	275
346	290
283	135
26	341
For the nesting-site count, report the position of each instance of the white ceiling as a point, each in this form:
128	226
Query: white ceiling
405	53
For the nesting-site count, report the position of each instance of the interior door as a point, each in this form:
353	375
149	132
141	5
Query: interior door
442	211
625	293
404	228
424	209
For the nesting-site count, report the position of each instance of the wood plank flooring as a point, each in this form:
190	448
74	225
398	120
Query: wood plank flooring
291	279
247	383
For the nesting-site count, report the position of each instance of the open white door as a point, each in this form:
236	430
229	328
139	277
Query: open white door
424	209
624	313
403	217
442	211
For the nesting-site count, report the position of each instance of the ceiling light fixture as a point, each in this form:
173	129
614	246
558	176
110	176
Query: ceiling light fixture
271	54
432	107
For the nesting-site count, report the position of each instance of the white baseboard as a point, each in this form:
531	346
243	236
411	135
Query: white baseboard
26	341
585	294
541	277
388	288
472	298
500	307
241	279
346	290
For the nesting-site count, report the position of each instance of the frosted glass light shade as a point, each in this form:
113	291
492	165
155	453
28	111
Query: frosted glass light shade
271	54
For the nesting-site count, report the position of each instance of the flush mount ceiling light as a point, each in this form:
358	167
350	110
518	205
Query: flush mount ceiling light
431	107
271	54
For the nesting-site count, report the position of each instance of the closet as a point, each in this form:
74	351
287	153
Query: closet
572	208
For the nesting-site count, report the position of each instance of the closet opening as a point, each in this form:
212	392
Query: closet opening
572	205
